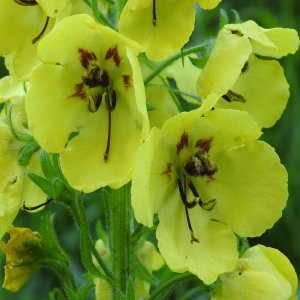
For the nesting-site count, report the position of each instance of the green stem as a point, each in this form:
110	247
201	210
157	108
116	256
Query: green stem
121	249
173	58
168	286
86	243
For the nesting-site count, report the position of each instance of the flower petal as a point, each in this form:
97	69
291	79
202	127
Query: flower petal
18	23
224	65
265	90
174	25
208	4
215	253
51	110
250	188
259	275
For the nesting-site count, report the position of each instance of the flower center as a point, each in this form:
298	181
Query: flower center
200	165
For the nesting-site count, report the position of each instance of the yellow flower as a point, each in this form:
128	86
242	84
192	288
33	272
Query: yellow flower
15	187
261	273
244	81
207	177
23	24
90	85
21	254
160	26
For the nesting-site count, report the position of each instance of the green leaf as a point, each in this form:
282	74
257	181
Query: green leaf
26	152
46	165
18	135
199	62
44	184
237	17
223	18
56	294
84	290
130	289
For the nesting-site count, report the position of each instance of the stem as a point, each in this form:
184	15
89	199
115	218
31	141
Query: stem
121	249
86	243
170	285
173	58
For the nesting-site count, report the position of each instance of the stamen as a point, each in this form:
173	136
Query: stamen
208	206
31	208
233	96
94	103
110	106
42	32
154	19
26	2
195	193
182	191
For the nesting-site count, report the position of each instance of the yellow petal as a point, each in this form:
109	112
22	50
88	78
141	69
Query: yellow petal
51	110
250	188
174	25
185	76
18	23
208	4
10	88
54	7
262	273
32	194
214	254
265	90
11	179
224	65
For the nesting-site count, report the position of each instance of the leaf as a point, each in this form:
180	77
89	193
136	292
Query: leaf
223	18
26	152
44	184
199	62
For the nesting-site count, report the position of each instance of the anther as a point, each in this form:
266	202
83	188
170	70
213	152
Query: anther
154	19
231	96
31	208
42	32
94	103
26	2
110	104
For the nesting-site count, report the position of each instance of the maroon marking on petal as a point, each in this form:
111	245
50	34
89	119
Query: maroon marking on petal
168	170
204	145
114	54
126	81
86	56
184	142
79	91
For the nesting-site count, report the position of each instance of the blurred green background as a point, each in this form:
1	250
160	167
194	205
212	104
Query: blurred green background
285	137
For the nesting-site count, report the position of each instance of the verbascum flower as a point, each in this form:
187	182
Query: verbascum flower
240	73
23	24
15	188
87	101
160	26
21	252
207	178
147	255
261	273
